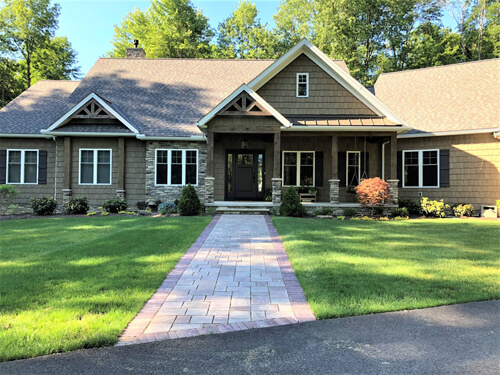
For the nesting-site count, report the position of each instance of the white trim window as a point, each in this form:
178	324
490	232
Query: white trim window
22	167
302	85
421	168
353	168
95	166
299	168
176	167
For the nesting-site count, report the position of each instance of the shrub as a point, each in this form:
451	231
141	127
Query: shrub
461	210
433	208
274	212
350	211
141	205
378	211
498	207
7	192
400	212
13	209
290	205
167	208
203	209
372	192
43	206
189	204
76	206
115	205
268	196
324	211
413	207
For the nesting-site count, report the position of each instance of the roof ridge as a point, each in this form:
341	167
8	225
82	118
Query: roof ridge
179	58
57	80
440	66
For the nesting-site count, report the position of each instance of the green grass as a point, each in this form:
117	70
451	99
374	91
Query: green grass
355	267
76	282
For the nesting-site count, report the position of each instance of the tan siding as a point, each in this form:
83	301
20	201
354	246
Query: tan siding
326	96
474	168
135	171
26	192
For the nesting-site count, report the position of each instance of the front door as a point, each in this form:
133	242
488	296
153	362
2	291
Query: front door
245	175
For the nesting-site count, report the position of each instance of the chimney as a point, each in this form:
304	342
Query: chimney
135	53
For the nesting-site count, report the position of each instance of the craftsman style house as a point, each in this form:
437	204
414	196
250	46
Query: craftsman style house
240	129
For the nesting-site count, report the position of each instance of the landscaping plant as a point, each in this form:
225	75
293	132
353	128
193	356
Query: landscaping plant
76	206
413	207
189	204
400	212
141	205
372	192
461	210
115	205
290	205
43	206
349	211
324	211
433	208
7	193
167	208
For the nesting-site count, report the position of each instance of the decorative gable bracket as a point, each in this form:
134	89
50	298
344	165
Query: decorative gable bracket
244	105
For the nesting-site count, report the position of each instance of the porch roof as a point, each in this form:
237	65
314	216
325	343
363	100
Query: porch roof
334	121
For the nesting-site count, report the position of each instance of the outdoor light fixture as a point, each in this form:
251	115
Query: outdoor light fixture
244	144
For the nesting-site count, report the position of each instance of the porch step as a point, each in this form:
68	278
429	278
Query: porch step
242	210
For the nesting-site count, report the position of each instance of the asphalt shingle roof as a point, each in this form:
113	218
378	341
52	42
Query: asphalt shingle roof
445	98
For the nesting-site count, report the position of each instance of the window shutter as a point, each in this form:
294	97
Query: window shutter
3	167
42	167
319	169
444	168
400	168
341	167
365	168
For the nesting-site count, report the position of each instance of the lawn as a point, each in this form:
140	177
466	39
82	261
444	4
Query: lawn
357	267
76	282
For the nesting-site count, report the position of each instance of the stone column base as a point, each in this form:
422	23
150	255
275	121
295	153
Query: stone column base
120	194
276	182
209	189
394	190
334	191
67	194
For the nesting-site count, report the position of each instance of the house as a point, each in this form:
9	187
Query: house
141	129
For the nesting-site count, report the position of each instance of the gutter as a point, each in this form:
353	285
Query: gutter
457	132
86	134
195	138
25	136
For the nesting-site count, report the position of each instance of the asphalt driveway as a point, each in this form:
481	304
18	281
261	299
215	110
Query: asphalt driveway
457	339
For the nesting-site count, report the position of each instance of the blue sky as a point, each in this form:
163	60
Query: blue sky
88	24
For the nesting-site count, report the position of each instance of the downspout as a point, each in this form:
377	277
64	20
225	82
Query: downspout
55	171
383	158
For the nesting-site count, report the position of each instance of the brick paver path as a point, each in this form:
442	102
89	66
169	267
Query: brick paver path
236	276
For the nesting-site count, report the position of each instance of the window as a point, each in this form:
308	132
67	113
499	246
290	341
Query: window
302	85
298	168
353	168
95	166
22	166
176	167
421	168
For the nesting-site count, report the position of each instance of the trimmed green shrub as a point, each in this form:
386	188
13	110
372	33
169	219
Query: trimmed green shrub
433	208
141	205
324	211
76	206
350	211
378	211
7	192
167	208
413	207
43	206
115	205
400	212
290	205
461	210
498	207
189	204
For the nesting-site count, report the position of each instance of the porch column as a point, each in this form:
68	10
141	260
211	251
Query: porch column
209	179
276	180
67	192
393	181
120	192
334	181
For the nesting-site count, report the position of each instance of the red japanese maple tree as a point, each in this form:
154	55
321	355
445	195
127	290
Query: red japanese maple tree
373	192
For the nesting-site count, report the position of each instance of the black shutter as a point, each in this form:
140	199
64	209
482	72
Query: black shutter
42	167
400	168
341	167
444	168
3	167
319	169
365	168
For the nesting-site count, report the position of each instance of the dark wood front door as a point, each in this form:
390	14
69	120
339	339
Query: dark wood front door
245	175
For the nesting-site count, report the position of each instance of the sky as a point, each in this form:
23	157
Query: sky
88	24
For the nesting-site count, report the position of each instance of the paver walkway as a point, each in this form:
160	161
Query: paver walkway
236	276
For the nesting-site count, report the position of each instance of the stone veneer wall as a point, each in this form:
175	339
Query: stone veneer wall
171	193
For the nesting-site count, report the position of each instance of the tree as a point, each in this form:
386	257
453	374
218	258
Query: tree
168	28
25	26
243	36
373	192
10	80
